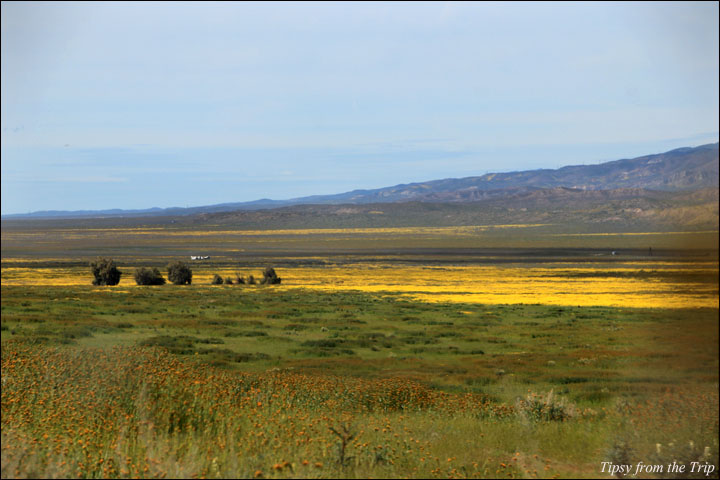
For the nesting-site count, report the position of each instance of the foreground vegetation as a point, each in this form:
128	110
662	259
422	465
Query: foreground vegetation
223	381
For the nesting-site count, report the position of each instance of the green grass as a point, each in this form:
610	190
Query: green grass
470	383
584	352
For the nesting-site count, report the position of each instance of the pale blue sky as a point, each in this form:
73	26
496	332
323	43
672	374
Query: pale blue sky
137	105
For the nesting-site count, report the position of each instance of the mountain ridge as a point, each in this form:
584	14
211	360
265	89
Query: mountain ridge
681	169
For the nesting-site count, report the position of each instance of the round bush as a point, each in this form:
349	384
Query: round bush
148	276
179	273
105	272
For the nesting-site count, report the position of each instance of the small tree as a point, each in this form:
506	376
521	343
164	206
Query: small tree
270	277
251	280
217	280
228	281
105	272
239	280
179	273
148	276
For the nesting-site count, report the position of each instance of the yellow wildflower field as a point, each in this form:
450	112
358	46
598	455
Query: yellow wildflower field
669	286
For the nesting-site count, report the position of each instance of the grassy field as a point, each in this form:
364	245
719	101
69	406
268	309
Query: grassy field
396	353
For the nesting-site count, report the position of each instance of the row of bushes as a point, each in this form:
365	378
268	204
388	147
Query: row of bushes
269	278
106	273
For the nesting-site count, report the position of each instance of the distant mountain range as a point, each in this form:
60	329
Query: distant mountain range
680	170
622	209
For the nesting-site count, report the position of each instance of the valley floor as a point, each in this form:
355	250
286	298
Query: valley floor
391	356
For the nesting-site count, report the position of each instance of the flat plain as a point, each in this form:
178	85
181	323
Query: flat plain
521	351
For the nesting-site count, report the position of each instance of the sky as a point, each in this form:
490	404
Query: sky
141	104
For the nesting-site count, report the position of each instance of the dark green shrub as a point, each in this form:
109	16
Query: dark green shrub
148	276
228	281
179	273
252	333
251	280
249	357
105	272
179	345
211	340
270	277
239	280
216	280
324	343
